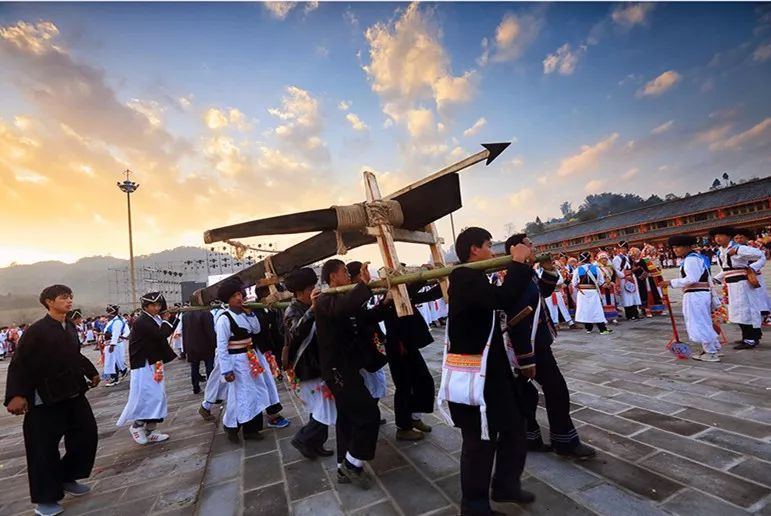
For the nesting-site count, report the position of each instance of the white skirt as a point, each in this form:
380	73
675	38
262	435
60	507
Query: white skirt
589	307
216	387
311	393
630	298
743	304
761	295
247	395
697	312
147	398
375	382
114	360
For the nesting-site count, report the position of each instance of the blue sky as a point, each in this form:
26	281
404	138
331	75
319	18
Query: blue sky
228	112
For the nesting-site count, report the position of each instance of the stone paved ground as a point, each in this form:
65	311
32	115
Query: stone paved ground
674	437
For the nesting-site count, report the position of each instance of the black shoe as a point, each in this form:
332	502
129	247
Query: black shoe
539	446
232	434
356	475
342	479
323	452
197	389
740	341
304	450
580	452
744	345
518	496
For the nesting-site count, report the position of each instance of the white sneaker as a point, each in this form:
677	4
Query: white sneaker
706	357
48	509
139	434
156	437
110	383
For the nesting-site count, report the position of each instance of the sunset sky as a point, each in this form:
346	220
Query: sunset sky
231	112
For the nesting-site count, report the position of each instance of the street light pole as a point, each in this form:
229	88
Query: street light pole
130	187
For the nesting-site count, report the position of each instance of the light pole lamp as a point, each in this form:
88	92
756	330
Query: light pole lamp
129	187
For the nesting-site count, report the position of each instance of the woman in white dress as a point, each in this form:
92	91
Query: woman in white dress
587	280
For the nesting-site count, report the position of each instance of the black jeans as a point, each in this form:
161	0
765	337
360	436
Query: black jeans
195	371
547	373
413	383
44	427
507	449
589	326
750	333
631	312
313	435
358	416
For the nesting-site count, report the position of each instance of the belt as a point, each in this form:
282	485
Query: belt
587	287
735	276
237	351
701	286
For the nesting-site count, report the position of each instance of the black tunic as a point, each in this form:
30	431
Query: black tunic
473	301
48	360
148	342
198	336
298	323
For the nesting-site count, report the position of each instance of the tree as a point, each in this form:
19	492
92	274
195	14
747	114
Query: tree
566	209
671	197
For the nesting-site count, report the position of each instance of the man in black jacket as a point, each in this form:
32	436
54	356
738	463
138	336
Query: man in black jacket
302	364
47	380
342	355
473	302
536	362
148	350
200	341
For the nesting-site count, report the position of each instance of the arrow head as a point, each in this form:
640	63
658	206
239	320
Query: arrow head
495	150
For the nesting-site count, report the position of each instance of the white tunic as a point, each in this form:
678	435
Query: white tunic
743	304
247	396
764	303
375	382
147	398
318	401
622	263
216	387
560	301
588	301
116	359
176	337
697	306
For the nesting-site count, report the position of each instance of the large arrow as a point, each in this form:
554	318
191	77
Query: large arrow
420	205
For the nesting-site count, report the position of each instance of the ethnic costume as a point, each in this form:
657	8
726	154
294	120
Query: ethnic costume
630	295
608	289
116	335
647	275
695	280
743	306
49	371
588	279
555	302
148	351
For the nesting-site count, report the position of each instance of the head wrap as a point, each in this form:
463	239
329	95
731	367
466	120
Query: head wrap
725	230
601	255
153	297
74	314
228	287
584	257
622	243
748	233
300	279
681	240
112	309
354	268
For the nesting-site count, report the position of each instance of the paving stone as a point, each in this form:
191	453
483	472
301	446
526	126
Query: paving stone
727	487
411	492
656	405
268	501
305	478
221	499
708	404
223	467
252	447
261	470
664	422
432	461
752	447
752	371
607	422
322	504
548	501
609	500
753	469
450	486
637	387
734	424
632	477
351	497
598	403
381	509
758	414
612	443
288	452
446	437
562	474
593	388
689	448
689	502
132	508
386	458
744	398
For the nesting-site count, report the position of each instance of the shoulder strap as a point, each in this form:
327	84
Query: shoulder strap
305	343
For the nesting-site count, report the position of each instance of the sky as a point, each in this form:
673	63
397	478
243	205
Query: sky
231	112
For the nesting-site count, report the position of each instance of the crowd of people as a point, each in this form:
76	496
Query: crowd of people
332	349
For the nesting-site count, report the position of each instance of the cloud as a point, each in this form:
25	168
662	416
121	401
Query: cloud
587	158
408	64
474	129
564	60
629	174
762	53
629	15
33	38
216	119
322	51
151	110
514	35
344	105
661	129
302	124
595	185
713	134
521	198
660	84
185	102
421	124
280	10
356	122
759	134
